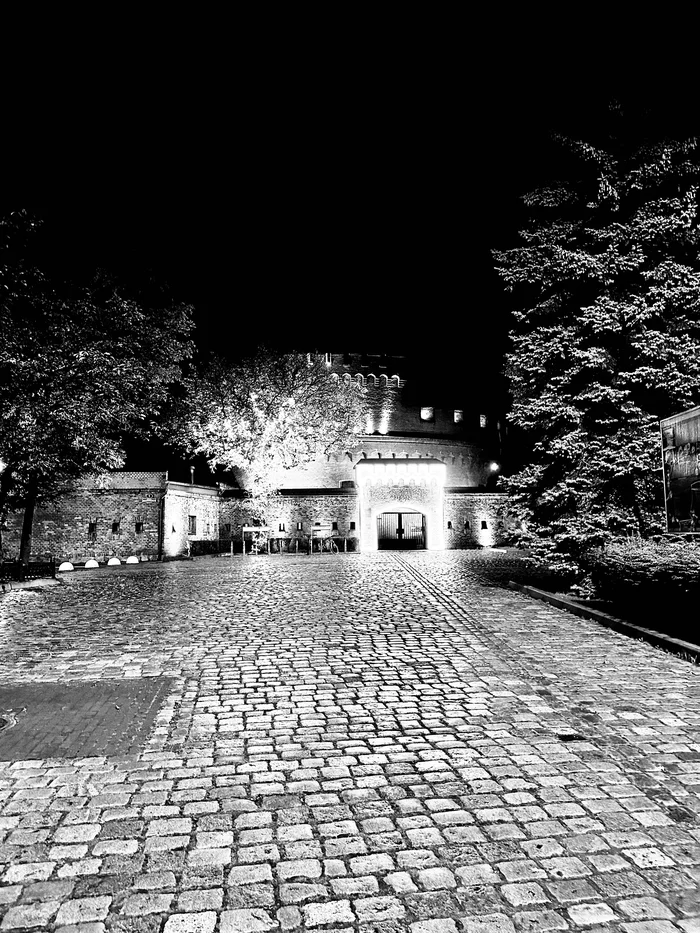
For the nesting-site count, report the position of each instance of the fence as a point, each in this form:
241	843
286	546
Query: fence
16	571
297	545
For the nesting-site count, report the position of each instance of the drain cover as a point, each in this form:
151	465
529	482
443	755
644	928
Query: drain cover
79	719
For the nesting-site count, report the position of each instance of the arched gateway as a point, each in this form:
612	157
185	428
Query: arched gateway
401	501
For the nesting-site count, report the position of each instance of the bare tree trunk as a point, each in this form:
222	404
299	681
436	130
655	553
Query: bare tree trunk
5	483
25	546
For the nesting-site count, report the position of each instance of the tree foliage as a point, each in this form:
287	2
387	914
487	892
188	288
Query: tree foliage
80	367
266	414
606	338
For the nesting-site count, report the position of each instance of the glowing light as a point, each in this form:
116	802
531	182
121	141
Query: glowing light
427	413
494	467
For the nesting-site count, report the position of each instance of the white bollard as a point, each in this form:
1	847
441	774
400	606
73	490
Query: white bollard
66	565
89	564
113	561
132	560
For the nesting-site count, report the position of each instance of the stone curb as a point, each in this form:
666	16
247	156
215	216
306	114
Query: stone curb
39	583
675	645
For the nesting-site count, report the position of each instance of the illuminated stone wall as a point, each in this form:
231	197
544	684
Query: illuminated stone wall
63	529
468	512
182	501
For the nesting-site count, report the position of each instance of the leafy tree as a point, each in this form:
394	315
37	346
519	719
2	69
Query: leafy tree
606	337
80	367
265	414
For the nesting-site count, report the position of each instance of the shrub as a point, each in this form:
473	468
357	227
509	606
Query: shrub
650	572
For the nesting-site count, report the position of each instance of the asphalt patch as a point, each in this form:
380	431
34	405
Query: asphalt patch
80	719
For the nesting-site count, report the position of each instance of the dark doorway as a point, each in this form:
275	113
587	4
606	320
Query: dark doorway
400	530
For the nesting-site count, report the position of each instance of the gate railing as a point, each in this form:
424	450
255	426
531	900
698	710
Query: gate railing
16	571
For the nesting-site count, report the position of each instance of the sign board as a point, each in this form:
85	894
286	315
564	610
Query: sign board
255	528
680	451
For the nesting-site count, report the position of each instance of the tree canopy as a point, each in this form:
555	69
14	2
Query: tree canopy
266	414
80	367
606	337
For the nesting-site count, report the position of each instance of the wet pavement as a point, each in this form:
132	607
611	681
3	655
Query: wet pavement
381	743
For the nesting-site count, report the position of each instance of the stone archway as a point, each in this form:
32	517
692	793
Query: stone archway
411	486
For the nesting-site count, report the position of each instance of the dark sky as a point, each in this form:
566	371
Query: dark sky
370	230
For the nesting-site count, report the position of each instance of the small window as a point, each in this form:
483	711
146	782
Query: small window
334	526
484	526
483	421
92	530
282	527
139	528
466	523
459	415
329	359
192	525
208	526
298	526
449	524
352	526
116	528
427	413
227	528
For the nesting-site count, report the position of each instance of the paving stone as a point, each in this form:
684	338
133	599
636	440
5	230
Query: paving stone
387	743
30	916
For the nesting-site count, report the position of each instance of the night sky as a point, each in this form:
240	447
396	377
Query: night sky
342	228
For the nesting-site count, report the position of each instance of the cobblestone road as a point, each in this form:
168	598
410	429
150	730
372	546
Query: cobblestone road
355	743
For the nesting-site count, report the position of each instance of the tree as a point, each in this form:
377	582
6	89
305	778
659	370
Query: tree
606	337
266	414
80	367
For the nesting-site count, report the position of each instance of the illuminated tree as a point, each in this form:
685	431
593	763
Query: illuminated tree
606	338
80	367
266	414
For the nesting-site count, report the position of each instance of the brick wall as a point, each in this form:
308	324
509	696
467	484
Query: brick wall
113	516
467	513
288	510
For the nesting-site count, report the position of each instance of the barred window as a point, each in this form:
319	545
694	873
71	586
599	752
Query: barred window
116	528
192	525
92	530
139	528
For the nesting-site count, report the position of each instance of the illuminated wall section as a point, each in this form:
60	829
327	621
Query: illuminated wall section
393	486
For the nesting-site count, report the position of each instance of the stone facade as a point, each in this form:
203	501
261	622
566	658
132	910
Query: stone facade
122	514
421	454
114	516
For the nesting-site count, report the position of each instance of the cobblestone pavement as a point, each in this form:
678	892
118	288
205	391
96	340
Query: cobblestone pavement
376	743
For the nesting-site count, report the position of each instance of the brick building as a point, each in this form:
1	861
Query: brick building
422	475
123	514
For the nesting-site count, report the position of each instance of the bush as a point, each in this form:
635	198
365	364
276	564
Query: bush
649	572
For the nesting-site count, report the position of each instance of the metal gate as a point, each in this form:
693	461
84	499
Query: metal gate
400	530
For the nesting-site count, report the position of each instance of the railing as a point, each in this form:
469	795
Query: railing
299	544
16	571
